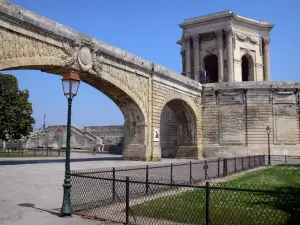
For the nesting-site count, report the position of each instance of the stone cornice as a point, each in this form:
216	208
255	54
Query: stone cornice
225	16
188	88
269	85
160	74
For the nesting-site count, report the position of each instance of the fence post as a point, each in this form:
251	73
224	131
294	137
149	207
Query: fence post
34	152
218	167
127	200
114	183
207	203
205	169
254	161
224	167
47	151
191	178
147	179
249	162
235	165
171	175
242	163
284	159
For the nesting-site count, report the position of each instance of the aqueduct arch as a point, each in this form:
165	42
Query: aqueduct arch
180	116
178	128
29	41
103	81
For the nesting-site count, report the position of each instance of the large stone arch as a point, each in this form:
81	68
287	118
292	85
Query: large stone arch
24	49
187	110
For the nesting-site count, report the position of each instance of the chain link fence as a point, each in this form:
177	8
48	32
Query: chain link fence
180	193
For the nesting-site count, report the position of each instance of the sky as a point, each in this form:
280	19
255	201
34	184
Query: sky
150	30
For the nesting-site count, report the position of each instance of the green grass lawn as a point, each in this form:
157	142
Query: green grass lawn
19	154
234	207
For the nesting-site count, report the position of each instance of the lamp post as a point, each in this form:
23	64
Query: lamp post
268	129
70	84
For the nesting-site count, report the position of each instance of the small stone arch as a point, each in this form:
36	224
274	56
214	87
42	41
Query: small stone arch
247	67
211	73
178	129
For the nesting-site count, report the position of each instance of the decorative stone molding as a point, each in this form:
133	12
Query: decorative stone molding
229	31
208	36
219	33
187	38
231	97
16	46
259	65
260	46
210	51
284	96
196	38
239	61
266	40
247	38
85	59
244	51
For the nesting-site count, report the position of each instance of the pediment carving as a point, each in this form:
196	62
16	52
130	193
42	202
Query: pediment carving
247	38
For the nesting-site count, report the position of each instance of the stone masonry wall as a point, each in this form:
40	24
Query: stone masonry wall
235	117
168	133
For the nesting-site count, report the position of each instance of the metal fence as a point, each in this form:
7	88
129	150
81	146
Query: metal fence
180	173
183	204
181	194
34	152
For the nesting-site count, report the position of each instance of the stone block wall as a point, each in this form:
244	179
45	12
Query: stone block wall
235	117
112	135
168	133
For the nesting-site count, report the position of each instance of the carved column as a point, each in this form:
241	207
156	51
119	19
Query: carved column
219	35
229	33
182	53
188	61
196	52
266	42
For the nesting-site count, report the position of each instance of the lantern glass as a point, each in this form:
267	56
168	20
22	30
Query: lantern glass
268	130
70	84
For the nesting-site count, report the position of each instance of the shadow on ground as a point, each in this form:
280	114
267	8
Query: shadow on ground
54	212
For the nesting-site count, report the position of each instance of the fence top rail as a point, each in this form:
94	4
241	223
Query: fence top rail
189	186
123	169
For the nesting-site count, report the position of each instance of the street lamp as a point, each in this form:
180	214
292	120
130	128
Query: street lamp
70	84
268	129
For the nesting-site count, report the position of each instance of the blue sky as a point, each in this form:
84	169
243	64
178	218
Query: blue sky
150	30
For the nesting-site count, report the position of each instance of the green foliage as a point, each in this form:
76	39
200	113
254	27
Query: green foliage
15	117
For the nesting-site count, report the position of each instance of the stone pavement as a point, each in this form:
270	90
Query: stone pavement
75	157
31	194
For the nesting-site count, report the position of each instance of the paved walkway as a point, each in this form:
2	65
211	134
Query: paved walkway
31	194
75	157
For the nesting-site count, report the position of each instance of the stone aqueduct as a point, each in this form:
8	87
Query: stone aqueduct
198	120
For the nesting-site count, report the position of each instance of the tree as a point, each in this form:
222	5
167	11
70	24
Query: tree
15	109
